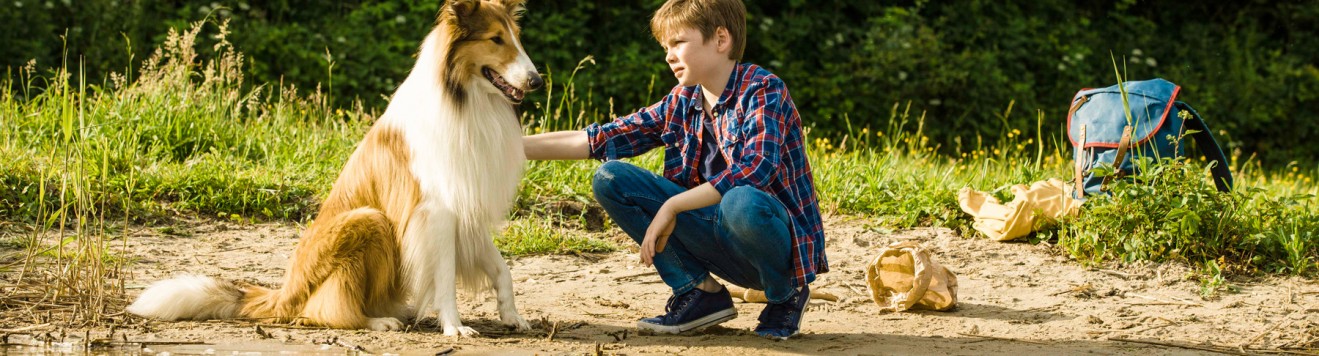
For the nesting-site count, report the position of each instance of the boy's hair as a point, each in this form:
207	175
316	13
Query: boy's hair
705	16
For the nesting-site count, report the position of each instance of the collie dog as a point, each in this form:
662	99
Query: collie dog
412	213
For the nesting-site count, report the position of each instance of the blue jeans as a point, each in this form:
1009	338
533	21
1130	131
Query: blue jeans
744	239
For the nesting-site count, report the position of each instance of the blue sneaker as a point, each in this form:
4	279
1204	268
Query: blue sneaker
783	320
692	310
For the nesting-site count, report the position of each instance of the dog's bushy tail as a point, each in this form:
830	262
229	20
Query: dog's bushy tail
190	297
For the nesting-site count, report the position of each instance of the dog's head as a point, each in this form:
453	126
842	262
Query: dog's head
485	46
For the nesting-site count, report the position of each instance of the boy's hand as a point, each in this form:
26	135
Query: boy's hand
657	235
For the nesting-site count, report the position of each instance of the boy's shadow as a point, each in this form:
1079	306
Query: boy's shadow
606	338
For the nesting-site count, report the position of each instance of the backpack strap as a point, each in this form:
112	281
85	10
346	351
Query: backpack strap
1122	146
1080	164
1209	147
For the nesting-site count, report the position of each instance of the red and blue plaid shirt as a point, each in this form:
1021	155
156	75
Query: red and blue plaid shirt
759	135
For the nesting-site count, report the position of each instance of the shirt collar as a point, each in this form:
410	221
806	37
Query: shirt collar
730	88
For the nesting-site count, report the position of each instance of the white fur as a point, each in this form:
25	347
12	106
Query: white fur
188	297
468	165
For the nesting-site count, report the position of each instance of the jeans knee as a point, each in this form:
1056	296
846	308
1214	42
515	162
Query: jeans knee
603	184
747	209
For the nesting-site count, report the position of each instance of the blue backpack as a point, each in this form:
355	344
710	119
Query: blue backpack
1100	131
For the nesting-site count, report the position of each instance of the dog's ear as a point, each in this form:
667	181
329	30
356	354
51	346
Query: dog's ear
515	8
460	9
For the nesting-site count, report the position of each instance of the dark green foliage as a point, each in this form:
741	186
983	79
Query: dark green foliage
1249	67
1171	212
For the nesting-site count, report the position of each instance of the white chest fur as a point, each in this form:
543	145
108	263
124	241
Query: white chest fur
468	162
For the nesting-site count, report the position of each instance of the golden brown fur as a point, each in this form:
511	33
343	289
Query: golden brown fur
418	195
346	268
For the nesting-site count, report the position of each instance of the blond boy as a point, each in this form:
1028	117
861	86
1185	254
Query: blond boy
736	198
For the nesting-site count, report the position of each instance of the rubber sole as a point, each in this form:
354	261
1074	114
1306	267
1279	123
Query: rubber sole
707	321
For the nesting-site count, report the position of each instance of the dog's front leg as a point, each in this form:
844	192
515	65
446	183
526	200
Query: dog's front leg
446	287
430	256
497	269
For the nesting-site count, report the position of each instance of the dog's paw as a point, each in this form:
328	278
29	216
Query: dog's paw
514	321
464	331
384	324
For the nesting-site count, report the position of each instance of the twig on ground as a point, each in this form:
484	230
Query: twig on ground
554	329
854	290
598	315
350	346
1182	301
619	335
1004	338
1168	321
1266	331
290	326
158	343
1130	333
24	329
635	276
1123	275
262	332
1181	345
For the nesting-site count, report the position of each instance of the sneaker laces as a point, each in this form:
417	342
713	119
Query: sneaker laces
782	312
678	302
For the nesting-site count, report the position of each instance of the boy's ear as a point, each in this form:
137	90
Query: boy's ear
724	40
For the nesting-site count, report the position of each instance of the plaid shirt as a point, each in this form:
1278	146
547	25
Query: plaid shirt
760	137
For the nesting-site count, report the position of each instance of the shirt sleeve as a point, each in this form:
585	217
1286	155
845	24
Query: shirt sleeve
762	132
631	135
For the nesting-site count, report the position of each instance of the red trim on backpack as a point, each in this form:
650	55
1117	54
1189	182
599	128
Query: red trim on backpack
1172	99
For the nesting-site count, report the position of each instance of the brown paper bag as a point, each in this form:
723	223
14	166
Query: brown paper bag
904	276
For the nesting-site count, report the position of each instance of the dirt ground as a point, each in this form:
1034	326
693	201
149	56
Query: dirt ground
1014	298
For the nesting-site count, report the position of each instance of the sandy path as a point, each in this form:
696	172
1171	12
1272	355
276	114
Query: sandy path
1014	298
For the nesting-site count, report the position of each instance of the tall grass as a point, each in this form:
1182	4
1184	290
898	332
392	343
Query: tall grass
85	160
81	162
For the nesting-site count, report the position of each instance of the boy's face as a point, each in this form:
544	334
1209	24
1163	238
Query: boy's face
694	59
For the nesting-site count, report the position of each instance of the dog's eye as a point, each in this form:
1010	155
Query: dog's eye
498	40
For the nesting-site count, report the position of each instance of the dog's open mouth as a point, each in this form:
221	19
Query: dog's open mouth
511	92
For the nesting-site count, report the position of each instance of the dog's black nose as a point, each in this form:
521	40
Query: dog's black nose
535	82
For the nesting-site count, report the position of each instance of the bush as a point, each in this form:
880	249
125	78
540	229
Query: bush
1170	212
1248	66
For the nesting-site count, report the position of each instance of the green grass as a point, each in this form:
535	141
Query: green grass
185	135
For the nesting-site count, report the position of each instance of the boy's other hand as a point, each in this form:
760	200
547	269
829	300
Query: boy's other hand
657	235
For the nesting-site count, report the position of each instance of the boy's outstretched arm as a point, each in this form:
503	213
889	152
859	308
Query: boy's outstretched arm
557	145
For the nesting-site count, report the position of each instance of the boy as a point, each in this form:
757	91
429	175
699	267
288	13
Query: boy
737	198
